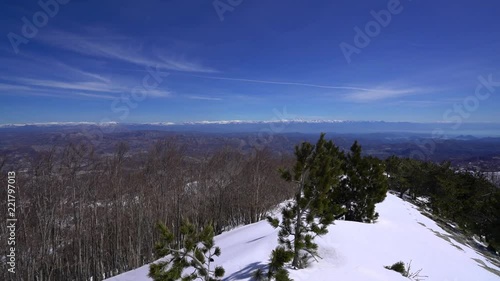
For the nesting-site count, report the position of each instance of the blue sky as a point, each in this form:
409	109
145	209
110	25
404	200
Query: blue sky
248	60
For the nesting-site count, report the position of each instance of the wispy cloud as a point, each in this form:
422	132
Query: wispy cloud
122	49
349	93
159	93
285	83
10	87
84	73
51	92
82	86
424	103
98	96
204	98
377	94
69	89
66	80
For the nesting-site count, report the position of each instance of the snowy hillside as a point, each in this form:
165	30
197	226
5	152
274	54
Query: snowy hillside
354	251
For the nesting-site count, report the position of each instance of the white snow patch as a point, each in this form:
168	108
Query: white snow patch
423	200
355	251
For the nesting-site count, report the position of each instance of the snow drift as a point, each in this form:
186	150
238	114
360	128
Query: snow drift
355	251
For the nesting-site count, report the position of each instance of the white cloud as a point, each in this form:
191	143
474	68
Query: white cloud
159	93
74	85
377	94
348	93
85	73
68	89
286	83
98	96
204	98
10	87
122	49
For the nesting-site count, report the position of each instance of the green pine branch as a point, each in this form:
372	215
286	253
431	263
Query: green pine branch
198	252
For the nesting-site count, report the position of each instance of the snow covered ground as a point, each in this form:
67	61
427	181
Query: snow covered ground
355	251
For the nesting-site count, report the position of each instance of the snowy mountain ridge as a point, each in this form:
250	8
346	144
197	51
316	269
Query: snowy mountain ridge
355	251
204	122
222	122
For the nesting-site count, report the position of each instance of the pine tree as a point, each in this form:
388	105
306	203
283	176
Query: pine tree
398	171
315	173
363	185
196	254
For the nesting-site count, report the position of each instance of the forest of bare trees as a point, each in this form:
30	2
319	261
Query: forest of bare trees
83	216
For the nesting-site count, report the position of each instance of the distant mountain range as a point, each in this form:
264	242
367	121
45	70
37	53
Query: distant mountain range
206	122
463	131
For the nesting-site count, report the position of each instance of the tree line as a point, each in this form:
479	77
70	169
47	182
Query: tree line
82	215
466	198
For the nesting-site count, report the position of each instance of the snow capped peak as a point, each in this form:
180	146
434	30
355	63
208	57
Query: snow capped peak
160	123
46	124
202	122
224	122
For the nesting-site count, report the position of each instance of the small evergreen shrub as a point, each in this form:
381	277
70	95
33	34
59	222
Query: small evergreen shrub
398	267
406	271
196	251
259	275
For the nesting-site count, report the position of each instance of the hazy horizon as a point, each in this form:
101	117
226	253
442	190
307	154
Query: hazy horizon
435	130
